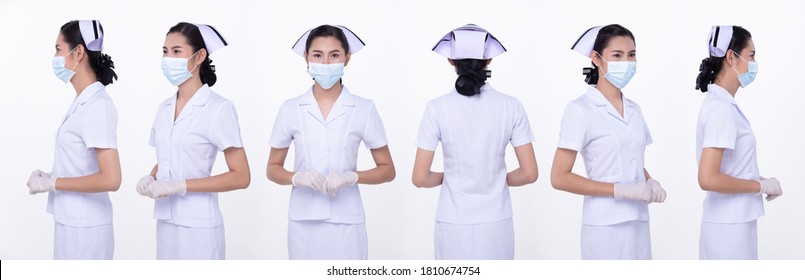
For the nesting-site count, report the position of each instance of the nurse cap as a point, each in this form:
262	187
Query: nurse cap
92	33
720	38
212	39
584	44
355	43
469	41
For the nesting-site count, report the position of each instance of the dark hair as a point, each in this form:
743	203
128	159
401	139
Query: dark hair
712	65
101	63
601	41
472	75
327	31
193	37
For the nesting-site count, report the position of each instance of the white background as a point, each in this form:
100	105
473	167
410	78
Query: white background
399	72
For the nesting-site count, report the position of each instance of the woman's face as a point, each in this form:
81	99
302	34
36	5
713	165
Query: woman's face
326	50
748	54
620	48
176	46
63	49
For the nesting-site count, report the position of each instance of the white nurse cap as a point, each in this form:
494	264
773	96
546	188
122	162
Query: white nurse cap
92	33
212	39
469	41
720	38
355	43
584	44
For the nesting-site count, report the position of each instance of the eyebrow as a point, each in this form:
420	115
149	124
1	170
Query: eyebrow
172	48
319	51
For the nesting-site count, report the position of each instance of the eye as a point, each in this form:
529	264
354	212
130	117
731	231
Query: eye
617	55
335	55
164	51
177	51
632	55
315	55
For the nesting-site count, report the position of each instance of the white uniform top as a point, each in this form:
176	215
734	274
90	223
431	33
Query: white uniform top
474	132
91	122
722	125
186	149
613	150
326	146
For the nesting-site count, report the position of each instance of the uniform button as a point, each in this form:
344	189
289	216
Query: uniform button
323	163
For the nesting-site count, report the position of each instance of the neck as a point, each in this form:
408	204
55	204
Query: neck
728	80
610	92
82	80
188	88
327	94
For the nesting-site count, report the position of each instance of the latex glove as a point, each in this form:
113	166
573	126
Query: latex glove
657	192
144	187
310	179
337	180
637	191
770	187
160	189
40	182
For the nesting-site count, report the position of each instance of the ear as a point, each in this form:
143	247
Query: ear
595	58
201	56
79	52
346	60
306	60
729	57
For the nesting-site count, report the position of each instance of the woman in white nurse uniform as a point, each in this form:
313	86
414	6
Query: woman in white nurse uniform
87	165
474	122
725	150
189	130
610	133
326	124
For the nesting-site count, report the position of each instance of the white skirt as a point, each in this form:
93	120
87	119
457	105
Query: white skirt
624	241
487	241
83	243
316	240
728	241
175	242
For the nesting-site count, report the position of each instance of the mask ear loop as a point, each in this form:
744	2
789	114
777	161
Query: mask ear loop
76	63
733	66
194	55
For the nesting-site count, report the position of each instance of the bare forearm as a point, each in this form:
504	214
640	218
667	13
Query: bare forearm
98	182
378	175
278	174
521	177
573	183
429	180
724	183
227	181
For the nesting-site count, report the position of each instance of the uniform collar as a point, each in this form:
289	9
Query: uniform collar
345	100
597	98
720	92
88	92
199	99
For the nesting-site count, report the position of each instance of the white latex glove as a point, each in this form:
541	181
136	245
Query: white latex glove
144	187
657	192
310	179
160	189
637	191
770	187
40	182
337	180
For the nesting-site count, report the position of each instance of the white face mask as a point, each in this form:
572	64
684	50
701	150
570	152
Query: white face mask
326	74
175	69
619	73
64	74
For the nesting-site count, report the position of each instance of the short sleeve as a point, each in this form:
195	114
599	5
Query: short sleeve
100	126
280	137
429	134
521	132
720	129
225	131
573	128
374	135
648	139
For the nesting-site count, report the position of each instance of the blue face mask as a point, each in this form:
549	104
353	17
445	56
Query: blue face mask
746	78
175	69
619	73
326	74
60	70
